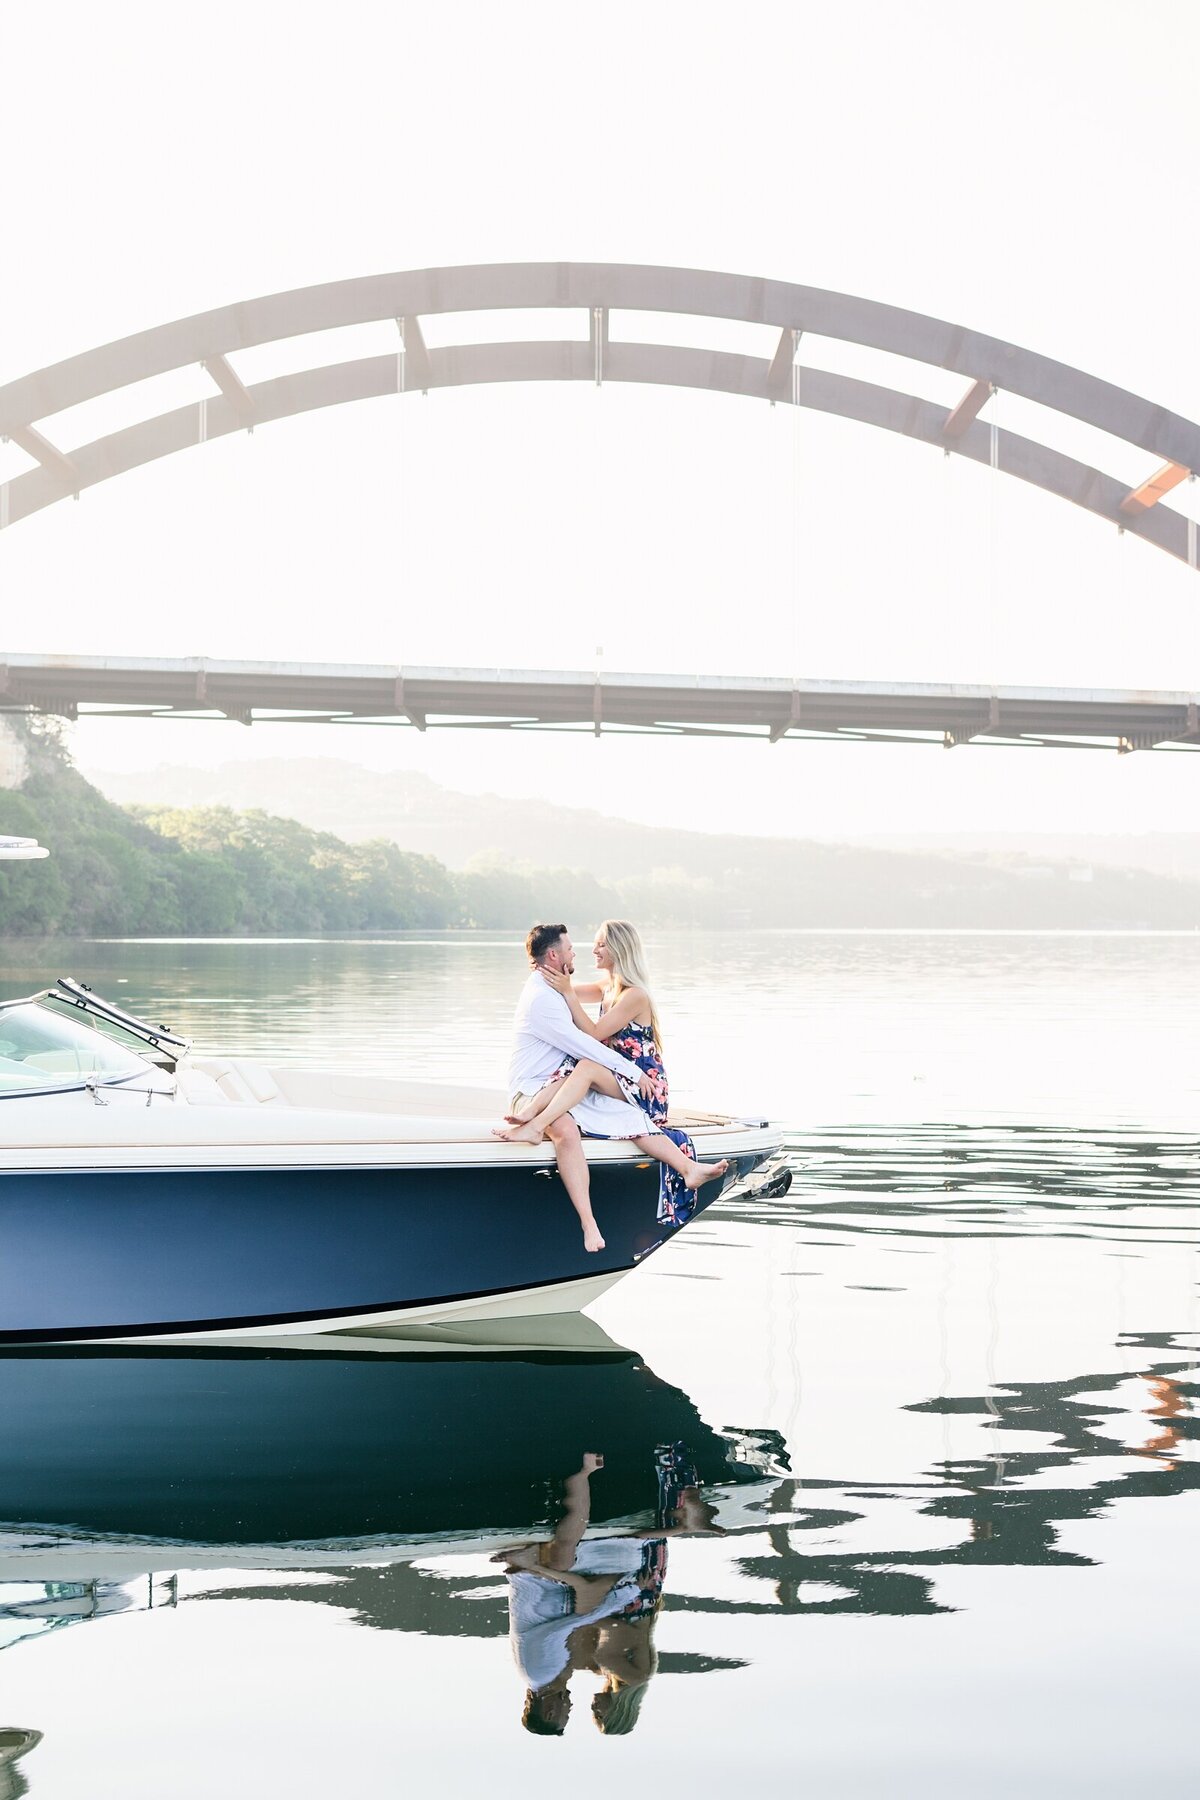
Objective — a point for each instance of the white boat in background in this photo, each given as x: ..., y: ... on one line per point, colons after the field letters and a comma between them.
x: 147, y: 1192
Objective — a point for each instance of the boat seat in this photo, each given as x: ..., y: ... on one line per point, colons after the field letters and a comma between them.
x: 242, y: 1083
x: 198, y: 1087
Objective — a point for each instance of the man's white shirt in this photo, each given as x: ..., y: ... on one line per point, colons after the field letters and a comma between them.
x: 545, y: 1033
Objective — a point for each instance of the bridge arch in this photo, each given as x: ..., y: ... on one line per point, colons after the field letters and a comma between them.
x: 986, y: 363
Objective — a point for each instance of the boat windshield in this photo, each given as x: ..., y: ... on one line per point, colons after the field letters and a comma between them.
x: 42, y: 1049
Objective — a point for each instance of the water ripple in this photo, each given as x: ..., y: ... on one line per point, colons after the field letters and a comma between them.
x: 1021, y: 1180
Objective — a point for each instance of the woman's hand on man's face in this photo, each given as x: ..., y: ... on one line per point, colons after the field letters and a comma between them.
x: 560, y: 983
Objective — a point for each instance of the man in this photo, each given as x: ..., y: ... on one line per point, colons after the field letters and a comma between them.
x: 545, y: 1033
x: 591, y: 1603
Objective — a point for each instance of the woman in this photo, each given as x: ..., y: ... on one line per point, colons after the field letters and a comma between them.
x: 559, y: 1594
x: 578, y: 1603
x: 629, y: 1022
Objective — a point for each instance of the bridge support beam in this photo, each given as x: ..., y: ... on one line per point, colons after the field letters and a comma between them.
x: 232, y: 386
x: 49, y: 455
x: 1140, y: 499
x: 967, y: 410
x: 404, y: 708
x: 963, y: 734
x: 779, y: 370
x: 598, y: 341
x: 785, y: 725
x: 415, y: 354
x: 1150, y: 740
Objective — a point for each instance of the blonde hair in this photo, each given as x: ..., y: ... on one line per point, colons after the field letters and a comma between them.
x: 629, y: 966
x: 617, y: 1706
x: 621, y: 1715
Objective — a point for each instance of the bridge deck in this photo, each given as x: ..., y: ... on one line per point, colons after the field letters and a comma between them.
x: 518, y: 699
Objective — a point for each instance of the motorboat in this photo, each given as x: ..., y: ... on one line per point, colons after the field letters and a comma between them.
x: 147, y: 1191
x: 21, y: 849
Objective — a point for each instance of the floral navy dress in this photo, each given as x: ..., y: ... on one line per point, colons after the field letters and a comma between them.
x: 676, y: 1201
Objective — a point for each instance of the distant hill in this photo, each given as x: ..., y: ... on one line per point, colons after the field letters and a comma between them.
x: 689, y: 877
x: 1175, y: 853
x: 360, y: 804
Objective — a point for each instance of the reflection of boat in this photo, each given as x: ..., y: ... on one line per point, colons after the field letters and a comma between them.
x: 33, y: 1609
x: 15, y: 1742
x: 830, y: 1544
x: 148, y: 1192
x: 118, y: 1457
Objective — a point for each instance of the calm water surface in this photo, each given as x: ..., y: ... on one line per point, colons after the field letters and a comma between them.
x: 939, y: 1404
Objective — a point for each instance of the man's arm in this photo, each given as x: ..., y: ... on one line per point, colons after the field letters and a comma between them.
x: 549, y: 1018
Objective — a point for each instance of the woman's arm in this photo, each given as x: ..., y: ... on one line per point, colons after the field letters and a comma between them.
x: 619, y: 1014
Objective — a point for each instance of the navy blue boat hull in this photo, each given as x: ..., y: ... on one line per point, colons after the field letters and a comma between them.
x: 213, y: 1445
x: 127, y: 1252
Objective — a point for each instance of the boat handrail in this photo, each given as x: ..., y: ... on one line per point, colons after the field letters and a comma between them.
x: 80, y: 995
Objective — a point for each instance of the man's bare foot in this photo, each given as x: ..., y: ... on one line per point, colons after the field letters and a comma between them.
x: 520, y: 1134
x: 591, y: 1237
x: 700, y: 1172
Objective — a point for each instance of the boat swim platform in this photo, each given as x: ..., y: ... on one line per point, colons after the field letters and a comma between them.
x: 725, y: 706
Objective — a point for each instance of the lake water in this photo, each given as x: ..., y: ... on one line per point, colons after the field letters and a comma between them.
x: 940, y: 1402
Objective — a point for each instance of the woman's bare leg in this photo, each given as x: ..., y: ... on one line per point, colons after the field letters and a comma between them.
x: 564, y: 1094
x: 694, y: 1173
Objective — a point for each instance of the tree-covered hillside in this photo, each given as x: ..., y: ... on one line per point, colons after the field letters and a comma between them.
x: 211, y: 871
x: 214, y: 870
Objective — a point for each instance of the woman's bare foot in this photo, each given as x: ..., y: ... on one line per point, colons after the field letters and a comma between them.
x: 591, y: 1237
x: 700, y: 1172
x: 520, y: 1134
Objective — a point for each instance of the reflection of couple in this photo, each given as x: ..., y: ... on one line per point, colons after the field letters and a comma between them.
x: 591, y: 1603
x: 571, y: 1074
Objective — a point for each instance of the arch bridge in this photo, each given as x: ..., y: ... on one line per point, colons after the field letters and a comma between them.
x: 595, y: 292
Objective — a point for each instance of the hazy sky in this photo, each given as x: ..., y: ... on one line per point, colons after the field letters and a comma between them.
x: 1027, y: 170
